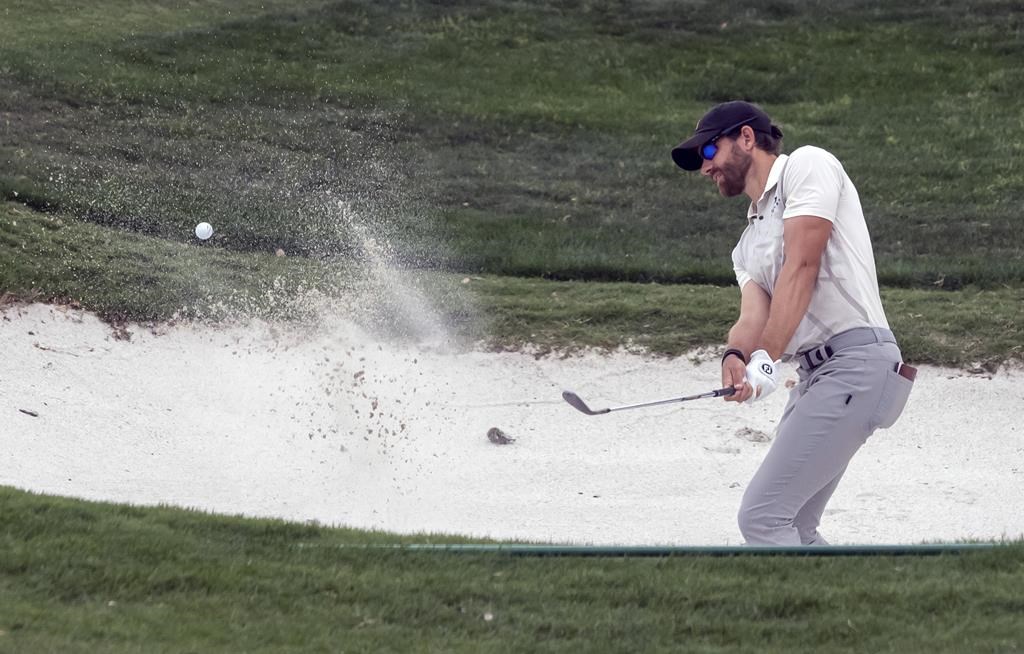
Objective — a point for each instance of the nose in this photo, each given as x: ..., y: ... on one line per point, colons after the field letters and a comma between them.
x: 705, y: 167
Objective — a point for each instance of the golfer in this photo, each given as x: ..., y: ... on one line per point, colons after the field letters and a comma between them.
x: 808, y: 294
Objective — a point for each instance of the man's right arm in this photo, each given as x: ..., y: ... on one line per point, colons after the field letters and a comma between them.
x: 744, y: 336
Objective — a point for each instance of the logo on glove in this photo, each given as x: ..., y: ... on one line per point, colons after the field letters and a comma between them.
x: 761, y: 375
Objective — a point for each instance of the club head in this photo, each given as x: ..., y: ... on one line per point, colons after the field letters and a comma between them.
x: 575, y: 402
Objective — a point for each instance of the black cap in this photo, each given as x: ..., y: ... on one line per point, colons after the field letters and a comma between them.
x: 722, y: 118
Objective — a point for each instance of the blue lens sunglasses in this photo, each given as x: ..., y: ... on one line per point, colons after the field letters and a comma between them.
x: 710, y: 149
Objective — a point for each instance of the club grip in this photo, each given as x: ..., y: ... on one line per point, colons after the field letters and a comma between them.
x: 725, y: 392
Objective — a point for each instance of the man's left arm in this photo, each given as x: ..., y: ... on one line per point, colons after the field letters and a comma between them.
x: 804, y: 242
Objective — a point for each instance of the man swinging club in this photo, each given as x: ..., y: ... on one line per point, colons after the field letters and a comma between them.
x: 809, y: 293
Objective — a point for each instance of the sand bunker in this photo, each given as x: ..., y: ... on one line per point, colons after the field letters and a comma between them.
x: 338, y: 428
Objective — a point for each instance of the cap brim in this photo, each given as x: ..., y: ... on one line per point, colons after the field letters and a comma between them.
x: 687, y: 154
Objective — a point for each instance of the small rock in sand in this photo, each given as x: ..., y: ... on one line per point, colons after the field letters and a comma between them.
x: 753, y: 435
x: 499, y: 437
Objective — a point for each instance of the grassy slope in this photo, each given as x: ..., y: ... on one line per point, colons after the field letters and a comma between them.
x: 500, y: 139
x: 84, y: 577
x: 958, y: 328
x: 519, y: 139
x: 130, y: 275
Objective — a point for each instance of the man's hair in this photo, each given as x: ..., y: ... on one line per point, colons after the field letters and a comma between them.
x: 762, y: 140
x: 768, y: 143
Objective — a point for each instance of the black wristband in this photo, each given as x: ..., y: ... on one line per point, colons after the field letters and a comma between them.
x: 732, y: 351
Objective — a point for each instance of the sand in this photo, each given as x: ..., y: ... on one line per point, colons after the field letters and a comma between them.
x: 336, y: 427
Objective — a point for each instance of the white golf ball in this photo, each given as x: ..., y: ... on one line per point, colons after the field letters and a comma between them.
x: 204, y: 231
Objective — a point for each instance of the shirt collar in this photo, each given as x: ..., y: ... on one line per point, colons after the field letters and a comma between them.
x: 769, y: 187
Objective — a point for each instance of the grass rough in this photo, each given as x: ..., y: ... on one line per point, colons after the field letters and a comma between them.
x: 81, y: 577
x: 515, y: 138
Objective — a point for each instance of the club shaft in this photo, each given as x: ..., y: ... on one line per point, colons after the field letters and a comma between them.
x: 721, y: 392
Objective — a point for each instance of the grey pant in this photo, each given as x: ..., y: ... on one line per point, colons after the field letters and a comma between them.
x: 831, y: 413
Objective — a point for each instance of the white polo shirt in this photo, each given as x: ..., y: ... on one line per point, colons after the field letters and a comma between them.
x: 813, y: 183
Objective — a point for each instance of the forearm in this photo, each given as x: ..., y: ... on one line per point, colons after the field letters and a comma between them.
x: 792, y: 295
x: 746, y: 333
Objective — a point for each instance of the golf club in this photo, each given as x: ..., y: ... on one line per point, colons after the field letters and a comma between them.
x: 578, y: 404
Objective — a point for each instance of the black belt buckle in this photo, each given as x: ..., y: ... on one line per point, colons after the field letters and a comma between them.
x: 818, y: 356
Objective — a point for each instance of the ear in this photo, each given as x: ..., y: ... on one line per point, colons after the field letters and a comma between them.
x: 747, y: 139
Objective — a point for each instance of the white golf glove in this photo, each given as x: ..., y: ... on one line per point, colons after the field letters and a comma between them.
x: 762, y: 375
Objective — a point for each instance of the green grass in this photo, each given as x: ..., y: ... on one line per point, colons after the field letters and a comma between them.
x: 517, y: 138
x: 85, y: 577
x: 966, y: 328
x: 123, y: 275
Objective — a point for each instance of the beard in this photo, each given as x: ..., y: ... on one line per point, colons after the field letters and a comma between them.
x: 734, y: 173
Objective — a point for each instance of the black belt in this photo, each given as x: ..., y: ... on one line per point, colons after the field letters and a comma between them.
x: 811, y: 359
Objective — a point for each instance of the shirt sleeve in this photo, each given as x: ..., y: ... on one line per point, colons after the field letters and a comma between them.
x: 742, y: 276
x: 812, y: 183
